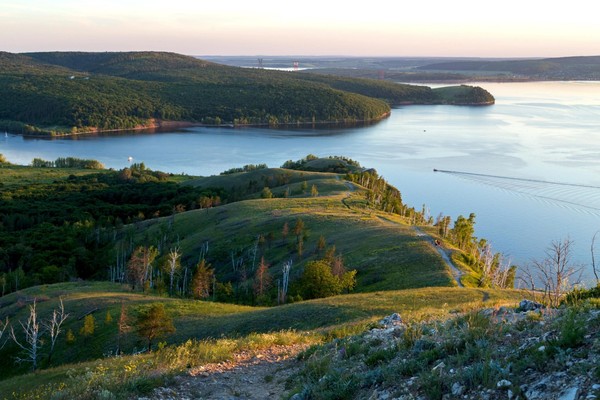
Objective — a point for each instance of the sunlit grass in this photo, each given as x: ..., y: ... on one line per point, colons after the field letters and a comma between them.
x: 211, y: 332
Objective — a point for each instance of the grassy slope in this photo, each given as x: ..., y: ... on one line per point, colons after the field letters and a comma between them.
x: 331, y: 317
x: 261, y: 176
x: 387, y: 255
x: 18, y: 175
x: 384, y: 250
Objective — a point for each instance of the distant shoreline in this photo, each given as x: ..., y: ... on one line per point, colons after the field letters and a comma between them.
x: 163, y: 125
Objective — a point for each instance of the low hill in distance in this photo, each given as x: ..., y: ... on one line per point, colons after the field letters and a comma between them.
x: 74, y: 92
x: 432, y: 69
x: 563, y: 68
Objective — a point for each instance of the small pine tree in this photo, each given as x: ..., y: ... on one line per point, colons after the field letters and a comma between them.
x: 266, y: 193
x: 300, y: 247
x: 298, y: 228
x: 153, y: 323
x: 202, y: 280
x: 108, y: 319
x: 70, y: 337
x: 285, y: 231
x: 314, y: 192
x: 321, y: 243
x: 89, y: 326
x: 262, y: 279
x: 123, y: 327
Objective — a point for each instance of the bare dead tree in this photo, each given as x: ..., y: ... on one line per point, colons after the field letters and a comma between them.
x: 554, y: 274
x: 31, y: 345
x: 173, y: 265
x: 3, y: 327
x: 286, y: 279
x: 53, y: 326
x: 593, y: 259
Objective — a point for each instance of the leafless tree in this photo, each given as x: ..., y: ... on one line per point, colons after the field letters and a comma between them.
x: 286, y: 279
x: 173, y: 265
x: 3, y: 326
x: 31, y: 345
x: 555, y: 273
x: 140, y: 264
x: 53, y: 326
x: 594, y: 260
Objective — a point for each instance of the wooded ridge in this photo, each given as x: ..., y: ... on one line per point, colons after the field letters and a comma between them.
x: 73, y: 92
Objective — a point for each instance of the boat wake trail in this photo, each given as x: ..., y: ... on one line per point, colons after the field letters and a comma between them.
x: 574, y: 196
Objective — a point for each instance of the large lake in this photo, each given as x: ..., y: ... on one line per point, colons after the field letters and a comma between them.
x: 536, y: 135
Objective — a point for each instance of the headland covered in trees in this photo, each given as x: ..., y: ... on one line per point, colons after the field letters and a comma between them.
x: 60, y: 93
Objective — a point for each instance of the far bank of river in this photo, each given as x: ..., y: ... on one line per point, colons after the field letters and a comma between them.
x: 539, y: 131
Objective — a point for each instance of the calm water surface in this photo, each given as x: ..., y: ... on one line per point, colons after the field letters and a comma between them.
x: 547, y: 131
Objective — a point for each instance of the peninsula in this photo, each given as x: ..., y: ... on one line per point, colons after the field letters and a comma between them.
x: 60, y: 93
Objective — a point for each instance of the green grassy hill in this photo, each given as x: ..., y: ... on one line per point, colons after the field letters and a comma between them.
x: 386, y: 255
x: 311, y: 321
x: 398, y: 269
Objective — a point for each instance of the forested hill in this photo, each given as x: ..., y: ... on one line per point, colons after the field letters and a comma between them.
x: 71, y: 92
x: 562, y: 68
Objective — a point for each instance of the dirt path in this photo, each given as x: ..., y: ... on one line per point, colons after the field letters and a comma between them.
x: 250, y: 375
x: 456, y: 273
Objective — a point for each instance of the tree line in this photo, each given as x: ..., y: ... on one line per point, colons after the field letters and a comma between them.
x: 56, y: 231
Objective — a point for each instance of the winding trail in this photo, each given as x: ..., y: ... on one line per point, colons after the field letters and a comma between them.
x: 456, y: 273
x: 255, y: 375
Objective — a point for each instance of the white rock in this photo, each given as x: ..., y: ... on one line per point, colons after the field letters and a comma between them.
x: 504, y: 384
x: 457, y: 389
x: 541, y: 348
x: 441, y: 365
x: 570, y: 394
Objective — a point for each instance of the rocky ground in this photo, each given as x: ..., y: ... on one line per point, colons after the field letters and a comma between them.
x: 529, y: 353
x: 250, y: 375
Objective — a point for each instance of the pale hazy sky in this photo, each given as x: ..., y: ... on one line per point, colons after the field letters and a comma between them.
x: 507, y: 28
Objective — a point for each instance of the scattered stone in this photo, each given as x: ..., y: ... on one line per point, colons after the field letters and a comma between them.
x: 504, y: 384
x: 457, y: 389
x: 441, y: 365
x: 391, y: 320
x: 570, y: 394
x: 528, y: 305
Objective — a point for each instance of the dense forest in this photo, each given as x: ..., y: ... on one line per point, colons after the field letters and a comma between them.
x: 56, y: 230
x: 563, y: 68
x: 58, y: 93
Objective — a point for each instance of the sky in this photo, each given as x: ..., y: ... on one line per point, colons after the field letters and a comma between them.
x: 461, y: 28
